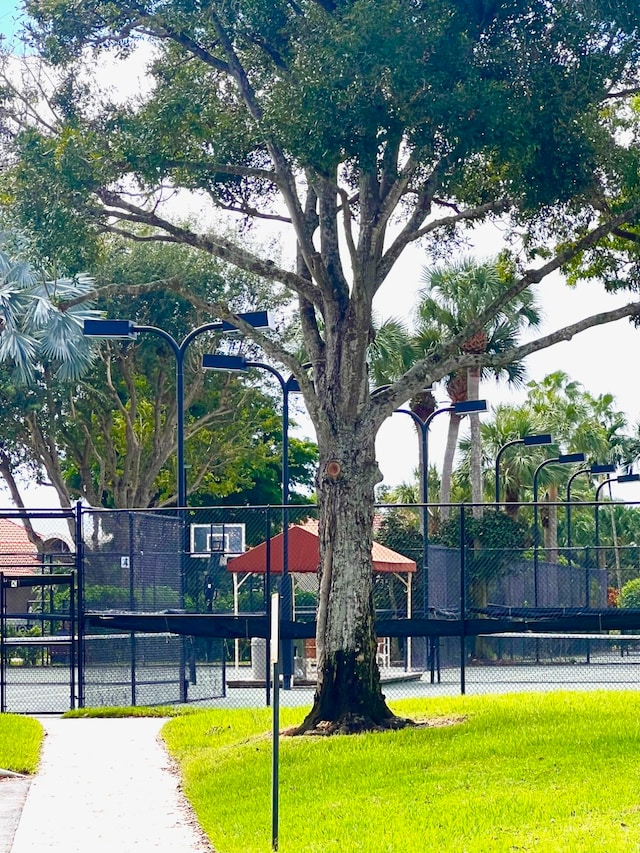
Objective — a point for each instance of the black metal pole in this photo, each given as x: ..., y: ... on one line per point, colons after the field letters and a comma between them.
x: 497, y: 466
x: 597, y: 518
x: 132, y: 607
x: 535, y: 535
x: 267, y: 605
x: 3, y: 633
x: 569, y: 482
x: 286, y: 590
x: 463, y: 603
x: 287, y: 581
x: 72, y: 642
x: 80, y: 601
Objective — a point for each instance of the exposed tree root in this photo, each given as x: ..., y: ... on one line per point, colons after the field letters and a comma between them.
x: 352, y: 724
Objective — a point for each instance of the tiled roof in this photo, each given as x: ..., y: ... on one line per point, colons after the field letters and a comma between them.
x: 18, y: 555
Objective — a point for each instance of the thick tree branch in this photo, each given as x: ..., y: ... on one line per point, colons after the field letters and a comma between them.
x: 445, y: 362
x: 6, y: 471
x: 218, y: 246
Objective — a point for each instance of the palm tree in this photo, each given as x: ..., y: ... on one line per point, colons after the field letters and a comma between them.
x: 508, y: 423
x: 391, y: 354
x: 453, y: 297
x: 38, y: 340
x: 34, y: 330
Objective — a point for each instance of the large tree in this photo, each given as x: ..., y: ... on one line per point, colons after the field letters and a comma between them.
x: 361, y: 127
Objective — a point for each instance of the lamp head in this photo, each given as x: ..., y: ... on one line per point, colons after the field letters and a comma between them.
x: 568, y: 458
x: 257, y: 319
x: 110, y: 329
x: 537, y: 440
x: 469, y: 407
x: 606, y: 468
x: 629, y: 478
x: 231, y: 363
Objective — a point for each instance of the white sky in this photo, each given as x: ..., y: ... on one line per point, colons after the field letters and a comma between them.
x: 601, y: 359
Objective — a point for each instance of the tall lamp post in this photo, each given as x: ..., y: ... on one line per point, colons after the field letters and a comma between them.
x: 623, y: 478
x: 288, y: 386
x: 466, y: 407
x: 606, y: 468
x: 128, y: 330
x: 527, y: 441
x: 561, y: 459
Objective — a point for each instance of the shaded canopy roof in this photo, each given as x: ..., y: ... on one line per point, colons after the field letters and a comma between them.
x: 304, y: 554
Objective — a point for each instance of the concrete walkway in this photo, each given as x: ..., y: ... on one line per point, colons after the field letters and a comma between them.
x: 103, y: 785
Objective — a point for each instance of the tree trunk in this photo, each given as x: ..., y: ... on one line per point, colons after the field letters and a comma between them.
x: 348, y: 692
x: 551, y: 527
x: 512, y: 500
x: 475, y: 461
x: 447, y: 464
x: 7, y: 475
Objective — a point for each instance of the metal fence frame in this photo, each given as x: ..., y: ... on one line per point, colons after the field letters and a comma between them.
x: 570, y: 627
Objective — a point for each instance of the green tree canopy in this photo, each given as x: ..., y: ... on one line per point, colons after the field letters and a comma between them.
x: 109, y: 436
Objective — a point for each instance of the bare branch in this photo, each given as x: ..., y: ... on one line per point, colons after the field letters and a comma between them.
x: 632, y: 309
x: 251, y: 212
x: 622, y: 93
x: 411, y: 232
x: 218, y: 246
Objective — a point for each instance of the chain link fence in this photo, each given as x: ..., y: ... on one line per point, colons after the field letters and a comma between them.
x: 216, y: 561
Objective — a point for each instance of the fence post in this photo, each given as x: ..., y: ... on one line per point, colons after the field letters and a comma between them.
x: 463, y: 601
x: 3, y: 632
x: 72, y: 647
x: 80, y: 601
x: 133, y: 608
x: 267, y: 604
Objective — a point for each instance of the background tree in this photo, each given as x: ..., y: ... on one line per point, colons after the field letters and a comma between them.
x: 110, y: 435
x: 453, y: 297
x: 362, y: 127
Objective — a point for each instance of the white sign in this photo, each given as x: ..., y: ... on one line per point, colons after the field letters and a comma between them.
x: 275, y: 627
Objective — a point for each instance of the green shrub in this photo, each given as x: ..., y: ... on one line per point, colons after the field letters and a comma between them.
x: 630, y: 594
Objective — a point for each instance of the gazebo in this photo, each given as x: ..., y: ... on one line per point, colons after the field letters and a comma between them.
x: 303, y: 563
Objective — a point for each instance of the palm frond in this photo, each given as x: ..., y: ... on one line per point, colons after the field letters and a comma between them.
x: 20, y: 349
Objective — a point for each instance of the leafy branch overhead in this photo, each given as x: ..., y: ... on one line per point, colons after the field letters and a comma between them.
x: 341, y: 117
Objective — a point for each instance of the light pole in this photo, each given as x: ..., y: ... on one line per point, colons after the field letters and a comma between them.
x: 128, y: 330
x: 606, y: 468
x: 623, y: 478
x: 466, y: 407
x: 287, y: 386
x: 527, y: 441
x: 561, y: 459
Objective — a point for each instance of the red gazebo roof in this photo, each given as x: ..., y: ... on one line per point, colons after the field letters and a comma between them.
x: 304, y: 554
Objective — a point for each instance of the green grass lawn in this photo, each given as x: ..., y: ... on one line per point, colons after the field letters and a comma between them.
x: 540, y: 772
x: 20, y: 742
